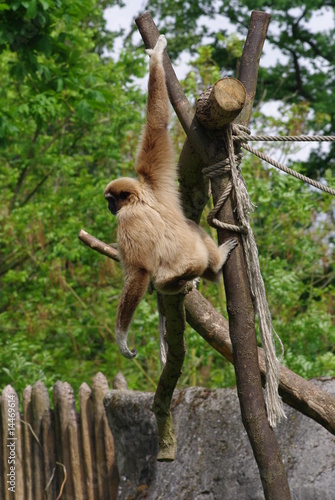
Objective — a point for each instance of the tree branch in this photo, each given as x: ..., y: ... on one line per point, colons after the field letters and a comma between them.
x: 172, y: 307
x: 98, y: 245
x: 297, y: 392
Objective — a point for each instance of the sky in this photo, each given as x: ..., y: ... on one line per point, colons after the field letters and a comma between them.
x: 123, y: 17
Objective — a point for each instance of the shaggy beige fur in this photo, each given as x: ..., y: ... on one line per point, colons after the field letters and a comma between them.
x: 156, y: 241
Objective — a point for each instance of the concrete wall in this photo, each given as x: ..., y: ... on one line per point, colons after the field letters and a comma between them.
x: 214, y: 460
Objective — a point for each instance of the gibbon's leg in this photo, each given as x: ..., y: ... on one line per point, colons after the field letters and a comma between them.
x: 135, y: 285
x: 174, y: 285
x: 155, y: 160
x: 217, y: 256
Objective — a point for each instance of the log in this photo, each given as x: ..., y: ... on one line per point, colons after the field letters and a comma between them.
x: 19, y: 490
x: 106, y: 470
x: 49, y: 453
x: 76, y: 451
x: 11, y: 445
x: 240, y: 305
x: 40, y: 405
x: 63, y: 400
x: 173, y: 309
x: 221, y: 103
x: 194, y: 188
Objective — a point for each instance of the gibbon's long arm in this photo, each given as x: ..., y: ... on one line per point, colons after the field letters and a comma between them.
x: 135, y: 285
x: 156, y: 153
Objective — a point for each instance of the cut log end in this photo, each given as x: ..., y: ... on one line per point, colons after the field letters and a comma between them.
x: 220, y: 104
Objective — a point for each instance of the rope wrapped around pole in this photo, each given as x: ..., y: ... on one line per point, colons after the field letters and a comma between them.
x: 273, y: 401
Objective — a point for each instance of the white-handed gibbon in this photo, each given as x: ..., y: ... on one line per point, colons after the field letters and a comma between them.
x: 155, y: 240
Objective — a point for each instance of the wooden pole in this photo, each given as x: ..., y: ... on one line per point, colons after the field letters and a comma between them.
x: 239, y: 302
x: 27, y: 443
x: 221, y: 103
x: 106, y: 470
x: 174, y: 312
x: 63, y: 403
x: 87, y: 437
x: 40, y: 405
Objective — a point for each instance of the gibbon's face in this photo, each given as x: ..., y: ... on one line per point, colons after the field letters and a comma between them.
x: 120, y: 193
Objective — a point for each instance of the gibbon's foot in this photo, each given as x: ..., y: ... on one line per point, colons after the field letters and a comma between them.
x: 231, y: 244
x: 227, y: 247
x: 159, y: 47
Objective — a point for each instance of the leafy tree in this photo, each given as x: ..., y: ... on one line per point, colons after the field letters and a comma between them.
x: 69, y: 121
x: 302, y: 72
x: 68, y: 116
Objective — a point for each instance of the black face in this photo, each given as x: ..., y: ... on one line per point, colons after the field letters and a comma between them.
x: 112, y: 204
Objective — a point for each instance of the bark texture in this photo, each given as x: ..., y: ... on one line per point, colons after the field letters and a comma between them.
x: 172, y: 307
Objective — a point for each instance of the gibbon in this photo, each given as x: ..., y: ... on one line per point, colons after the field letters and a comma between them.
x: 155, y: 240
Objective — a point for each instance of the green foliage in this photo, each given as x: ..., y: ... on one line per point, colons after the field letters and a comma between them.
x: 302, y: 50
x: 70, y: 118
x: 64, y: 132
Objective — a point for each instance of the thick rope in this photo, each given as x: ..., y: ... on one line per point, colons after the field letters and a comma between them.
x: 288, y: 170
x: 273, y: 401
x: 242, y: 135
x: 218, y: 169
x: 231, y: 164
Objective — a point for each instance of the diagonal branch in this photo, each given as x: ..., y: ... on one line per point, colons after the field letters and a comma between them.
x: 297, y: 392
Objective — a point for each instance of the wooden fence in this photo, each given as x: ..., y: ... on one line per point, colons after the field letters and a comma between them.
x: 51, y: 454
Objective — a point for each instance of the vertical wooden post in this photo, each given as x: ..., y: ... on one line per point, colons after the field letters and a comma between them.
x: 63, y: 400
x: 40, y: 406
x: 107, y: 475
x: 11, y: 442
x: 49, y: 452
x: 240, y: 306
x: 87, y: 436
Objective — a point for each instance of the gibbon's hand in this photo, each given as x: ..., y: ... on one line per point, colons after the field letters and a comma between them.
x: 159, y: 47
x: 135, y: 285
